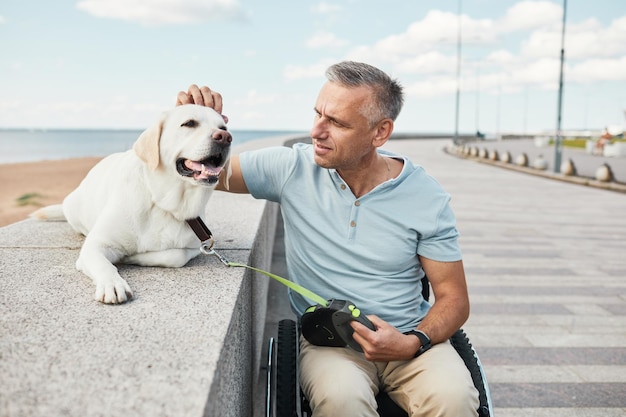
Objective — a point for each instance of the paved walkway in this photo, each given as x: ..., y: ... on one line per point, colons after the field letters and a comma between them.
x: 546, y: 267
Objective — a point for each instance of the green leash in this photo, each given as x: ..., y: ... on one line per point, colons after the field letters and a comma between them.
x: 206, y: 247
x: 292, y: 285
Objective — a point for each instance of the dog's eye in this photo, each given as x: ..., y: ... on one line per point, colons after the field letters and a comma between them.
x: 224, y: 128
x: 190, y: 123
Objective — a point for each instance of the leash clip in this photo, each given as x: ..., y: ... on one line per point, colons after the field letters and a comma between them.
x: 206, y: 238
x: 206, y: 248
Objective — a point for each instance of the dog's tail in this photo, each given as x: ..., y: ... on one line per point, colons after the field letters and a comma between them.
x: 49, y: 213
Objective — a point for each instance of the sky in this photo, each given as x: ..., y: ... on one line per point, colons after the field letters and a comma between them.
x: 119, y: 63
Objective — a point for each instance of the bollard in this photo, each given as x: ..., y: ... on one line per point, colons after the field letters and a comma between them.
x: 540, y: 163
x: 568, y: 168
x: 522, y: 160
x: 605, y: 173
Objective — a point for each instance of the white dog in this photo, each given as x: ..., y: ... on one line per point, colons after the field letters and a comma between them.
x: 133, y: 206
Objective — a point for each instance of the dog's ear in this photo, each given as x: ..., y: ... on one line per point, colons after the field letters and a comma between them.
x: 147, y: 146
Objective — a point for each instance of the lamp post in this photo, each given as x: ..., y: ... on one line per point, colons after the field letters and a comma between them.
x: 558, y: 142
x: 458, y: 78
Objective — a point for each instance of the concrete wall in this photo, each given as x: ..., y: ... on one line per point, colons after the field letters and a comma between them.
x: 188, y: 344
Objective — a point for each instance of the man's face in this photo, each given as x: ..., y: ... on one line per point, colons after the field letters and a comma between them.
x: 342, y: 136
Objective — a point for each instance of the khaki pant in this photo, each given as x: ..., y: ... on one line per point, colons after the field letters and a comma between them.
x: 341, y: 382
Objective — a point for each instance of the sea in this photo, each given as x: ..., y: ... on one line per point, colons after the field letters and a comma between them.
x: 24, y: 145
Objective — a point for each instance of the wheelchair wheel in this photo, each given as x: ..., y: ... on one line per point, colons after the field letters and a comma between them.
x: 462, y: 345
x: 287, y: 386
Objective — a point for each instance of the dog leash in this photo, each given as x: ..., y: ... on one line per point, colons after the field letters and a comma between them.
x: 206, y: 247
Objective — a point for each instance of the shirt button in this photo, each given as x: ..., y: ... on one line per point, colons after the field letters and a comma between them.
x: 352, y: 223
x: 343, y: 186
x: 357, y: 203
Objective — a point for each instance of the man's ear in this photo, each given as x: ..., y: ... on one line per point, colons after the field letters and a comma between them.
x: 383, y: 132
x: 147, y: 146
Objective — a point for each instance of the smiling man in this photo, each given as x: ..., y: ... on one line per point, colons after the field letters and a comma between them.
x: 366, y: 225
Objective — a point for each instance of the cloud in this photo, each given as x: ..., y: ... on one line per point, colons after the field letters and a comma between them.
x: 437, y: 31
x: 253, y: 99
x: 2, y: 19
x: 434, y: 86
x: 511, y: 52
x: 527, y: 15
x: 431, y: 62
x: 591, y: 39
x: 296, y: 72
x: 79, y: 113
x: 325, y: 40
x: 325, y: 8
x: 584, y: 40
x: 598, y: 70
x: 164, y: 12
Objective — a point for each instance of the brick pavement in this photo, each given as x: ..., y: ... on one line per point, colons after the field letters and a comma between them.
x: 546, y: 268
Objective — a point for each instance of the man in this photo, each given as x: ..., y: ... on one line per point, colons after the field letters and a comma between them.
x: 364, y: 224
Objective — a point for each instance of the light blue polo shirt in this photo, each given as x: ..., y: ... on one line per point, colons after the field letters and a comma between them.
x: 359, y: 249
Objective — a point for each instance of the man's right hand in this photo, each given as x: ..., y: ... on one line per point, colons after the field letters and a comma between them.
x: 202, y: 96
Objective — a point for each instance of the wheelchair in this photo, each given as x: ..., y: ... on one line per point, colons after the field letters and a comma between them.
x: 284, y: 397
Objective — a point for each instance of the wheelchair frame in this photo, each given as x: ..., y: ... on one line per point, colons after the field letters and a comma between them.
x: 284, y: 397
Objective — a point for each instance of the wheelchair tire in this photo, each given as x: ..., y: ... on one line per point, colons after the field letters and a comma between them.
x: 286, y: 377
x: 462, y: 345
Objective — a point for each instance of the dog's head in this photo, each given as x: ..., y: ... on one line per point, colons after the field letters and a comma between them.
x: 190, y: 139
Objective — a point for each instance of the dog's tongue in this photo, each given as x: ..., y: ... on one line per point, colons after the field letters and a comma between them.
x: 202, y: 171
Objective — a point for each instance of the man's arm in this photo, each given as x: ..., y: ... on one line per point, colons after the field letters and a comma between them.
x: 447, y: 314
x: 451, y: 307
x: 231, y: 178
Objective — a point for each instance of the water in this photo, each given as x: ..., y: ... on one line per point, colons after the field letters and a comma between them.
x: 39, y: 145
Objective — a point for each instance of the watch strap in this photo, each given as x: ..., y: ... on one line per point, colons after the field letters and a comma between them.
x: 424, y: 339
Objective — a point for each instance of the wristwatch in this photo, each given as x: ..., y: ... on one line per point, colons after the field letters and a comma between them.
x: 423, y: 337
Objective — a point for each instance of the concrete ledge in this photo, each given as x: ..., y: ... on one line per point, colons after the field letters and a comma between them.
x: 187, y: 345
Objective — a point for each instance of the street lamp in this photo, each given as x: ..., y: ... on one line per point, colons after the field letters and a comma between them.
x: 558, y: 145
x: 458, y: 78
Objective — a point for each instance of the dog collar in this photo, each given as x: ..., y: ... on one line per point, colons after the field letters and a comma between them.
x: 202, y: 232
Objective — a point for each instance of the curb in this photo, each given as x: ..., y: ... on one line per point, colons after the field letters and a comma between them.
x: 459, y: 152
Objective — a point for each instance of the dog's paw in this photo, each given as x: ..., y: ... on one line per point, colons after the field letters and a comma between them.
x: 116, y: 292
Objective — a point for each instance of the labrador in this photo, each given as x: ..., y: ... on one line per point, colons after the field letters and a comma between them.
x: 133, y: 206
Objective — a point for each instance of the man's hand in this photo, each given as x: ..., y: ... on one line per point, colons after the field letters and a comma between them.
x: 202, y: 96
x: 386, y: 343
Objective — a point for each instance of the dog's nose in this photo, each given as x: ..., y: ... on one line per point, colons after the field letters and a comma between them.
x: 222, y: 136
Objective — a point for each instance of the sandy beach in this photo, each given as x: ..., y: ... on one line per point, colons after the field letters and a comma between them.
x: 28, y: 186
